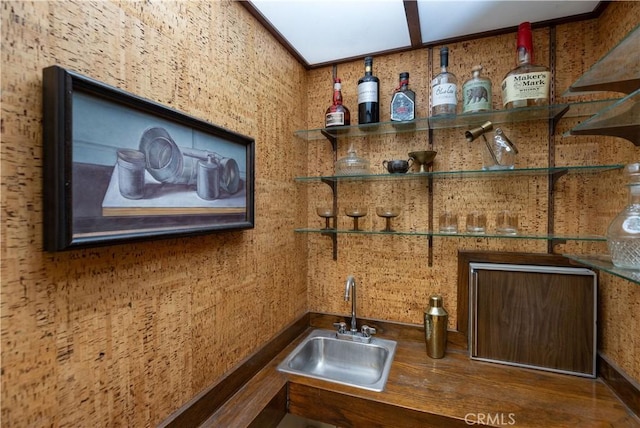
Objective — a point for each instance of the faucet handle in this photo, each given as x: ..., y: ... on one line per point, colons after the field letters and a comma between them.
x: 368, y: 331
x: 341, y: 326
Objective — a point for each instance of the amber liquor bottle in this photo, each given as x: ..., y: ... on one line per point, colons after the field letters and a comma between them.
x: 337, y: 114
x: 444, y: 88
x: 528, y: 83
x: 368, y: 95
x: 403, y: 101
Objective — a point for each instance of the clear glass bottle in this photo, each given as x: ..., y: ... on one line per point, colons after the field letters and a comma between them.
x: 623, y: 234
x: 528, y: 83
x: 368, y: 95
x: 337, y: 114
x: 499, y: 153
x: 476, y: 92
x: 444, y: 88
x: 403, y: 102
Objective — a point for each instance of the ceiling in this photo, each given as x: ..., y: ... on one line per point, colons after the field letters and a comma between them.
x: 323, y: 32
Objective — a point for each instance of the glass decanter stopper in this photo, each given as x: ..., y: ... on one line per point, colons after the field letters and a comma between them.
x: 623, y: 234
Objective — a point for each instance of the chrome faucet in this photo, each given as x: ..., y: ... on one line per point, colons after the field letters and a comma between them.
x: 357, y: 336
x: 351, y: 284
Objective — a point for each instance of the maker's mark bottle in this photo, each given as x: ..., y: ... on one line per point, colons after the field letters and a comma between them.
x: 527, y: 84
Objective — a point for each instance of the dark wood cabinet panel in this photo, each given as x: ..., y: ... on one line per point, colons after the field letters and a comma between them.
x: 534, y: 316
x: 347, y: 410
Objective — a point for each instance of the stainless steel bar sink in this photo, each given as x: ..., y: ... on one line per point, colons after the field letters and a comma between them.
x: 321, y: 355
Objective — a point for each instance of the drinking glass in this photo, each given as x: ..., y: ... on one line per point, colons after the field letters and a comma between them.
x: 506, y: 223
x: 476, y: 222
x: 388, y: 214
x: 448, y: 222
x: 327, y: 214
x: 355, y: 213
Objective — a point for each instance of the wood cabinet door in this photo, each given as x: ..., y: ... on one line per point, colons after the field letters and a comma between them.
x: 534, y: 316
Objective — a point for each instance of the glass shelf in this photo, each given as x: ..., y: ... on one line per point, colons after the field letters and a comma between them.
x: 602, y: 262
x: 621, y: 119
x: 617, y: 71
x: 381, y: 128
x: 438, y: 122
x: 591, y: 238
x: 523, y: 114
x: 467, y: 174
x: 587, y: 108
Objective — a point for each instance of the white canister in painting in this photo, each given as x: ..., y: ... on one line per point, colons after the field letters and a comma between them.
x: 131, y: 167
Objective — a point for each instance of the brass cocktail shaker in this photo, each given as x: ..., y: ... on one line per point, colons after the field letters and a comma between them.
x: 435, y: 327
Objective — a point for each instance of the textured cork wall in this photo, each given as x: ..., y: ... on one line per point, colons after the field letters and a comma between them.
x: 392, y: 272
x: 124, y: 335
x: 619, y: 299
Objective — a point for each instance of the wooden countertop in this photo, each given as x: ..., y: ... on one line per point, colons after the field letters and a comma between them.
x: 453, y: 391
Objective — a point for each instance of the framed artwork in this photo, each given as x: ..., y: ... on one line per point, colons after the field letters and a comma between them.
x: 119, y: 168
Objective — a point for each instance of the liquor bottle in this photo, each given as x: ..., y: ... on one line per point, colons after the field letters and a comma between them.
x: 476, y: 92
x: 527, y: 84
x: 444, y: 98
x: 368, y: 95
x: 337, y: 114
x: 403, y: 102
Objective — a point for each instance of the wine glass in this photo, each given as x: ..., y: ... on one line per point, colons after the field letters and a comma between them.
x: 355, y: 213
x: 326, y: 213
x: 388, y: 213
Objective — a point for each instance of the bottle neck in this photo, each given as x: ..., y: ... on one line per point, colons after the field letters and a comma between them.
x: 524, y: 47
x: 444, y: 60
x: 337, y: 95
x: 524, y: 56
x: 367, y: 70
x: 634, y: 194
x: 403, y: 85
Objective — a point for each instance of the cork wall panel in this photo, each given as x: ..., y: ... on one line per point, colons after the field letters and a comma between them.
x: 588, y: 204
x: 125, y: 335
x: 394, y: 277
x: 620, y: 303
x: 619, y: 319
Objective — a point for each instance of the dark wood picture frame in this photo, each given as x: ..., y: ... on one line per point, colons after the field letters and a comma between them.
x: 120, y: 168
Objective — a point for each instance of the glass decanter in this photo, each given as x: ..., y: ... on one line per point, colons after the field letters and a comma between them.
x: 352, y: 164
x: 623, y: 234
x: 499, y: 153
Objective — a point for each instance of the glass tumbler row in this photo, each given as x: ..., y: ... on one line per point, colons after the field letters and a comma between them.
x: 476, y: 222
